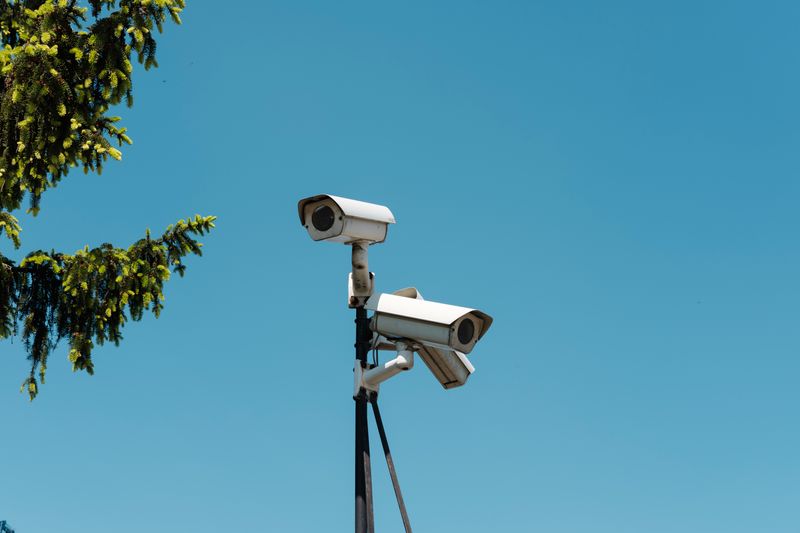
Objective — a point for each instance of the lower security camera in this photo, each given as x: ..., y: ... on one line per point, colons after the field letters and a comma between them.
x: 449, y: 367
x: 440, y: 326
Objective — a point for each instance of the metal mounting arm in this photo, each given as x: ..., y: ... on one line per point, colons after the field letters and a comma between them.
x: 371, y: 378
x: 361, y: 277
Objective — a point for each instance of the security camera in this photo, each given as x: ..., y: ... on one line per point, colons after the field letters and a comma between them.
x: 451, y: 368
x: 337, y: 219
x: 441, y: 326
x: 359, y: 224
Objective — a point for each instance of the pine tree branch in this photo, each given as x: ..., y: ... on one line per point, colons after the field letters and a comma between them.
x: 10, y: 226
x: 88, y: 297
x: 60, y: 74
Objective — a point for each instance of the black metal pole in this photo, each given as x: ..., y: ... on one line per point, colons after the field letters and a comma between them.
x: 364, y: 514
x: 390, y: 463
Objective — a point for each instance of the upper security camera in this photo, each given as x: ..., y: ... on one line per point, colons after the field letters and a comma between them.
x: 337, y: 219
x: 442, y: 326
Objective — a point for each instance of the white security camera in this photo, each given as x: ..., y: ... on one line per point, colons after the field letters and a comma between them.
x: 449, y: 367
x: 337, y: 219
x: 436, y: 325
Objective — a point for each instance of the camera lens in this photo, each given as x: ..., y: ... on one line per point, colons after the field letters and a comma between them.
x: 323, y: 218
x: 466, y: 330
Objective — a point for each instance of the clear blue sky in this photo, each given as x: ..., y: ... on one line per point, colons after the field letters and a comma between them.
x: 615, y: 182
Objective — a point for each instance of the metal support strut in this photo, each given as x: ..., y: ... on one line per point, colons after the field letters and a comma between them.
x: 390, y: 463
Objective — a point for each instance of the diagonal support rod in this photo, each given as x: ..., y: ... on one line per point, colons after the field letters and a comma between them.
x: 390, y: 463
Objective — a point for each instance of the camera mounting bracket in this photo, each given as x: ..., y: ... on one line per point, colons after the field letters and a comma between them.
x: 371, y: 377
x: 360, y: 281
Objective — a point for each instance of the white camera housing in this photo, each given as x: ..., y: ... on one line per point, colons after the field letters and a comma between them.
x: 337, y: 219
x: 433, y: 324
x: 450, y: 367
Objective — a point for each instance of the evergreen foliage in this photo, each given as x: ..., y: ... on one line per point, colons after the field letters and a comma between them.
x: 62, y: 68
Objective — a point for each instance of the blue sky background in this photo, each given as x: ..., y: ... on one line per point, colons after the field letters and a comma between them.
x: 616, y: 183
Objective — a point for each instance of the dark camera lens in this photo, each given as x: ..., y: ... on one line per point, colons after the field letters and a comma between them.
x: 466, y: 330
x: 322, y: 218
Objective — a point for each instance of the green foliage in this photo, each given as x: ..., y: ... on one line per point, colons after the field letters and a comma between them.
x: 87, y: 297
x: 59, y: 75
x: 10, y: 225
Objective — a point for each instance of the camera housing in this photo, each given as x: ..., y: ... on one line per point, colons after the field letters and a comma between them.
x: 436, y: 325
x: 450, y: 367
x: 337, y: 219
